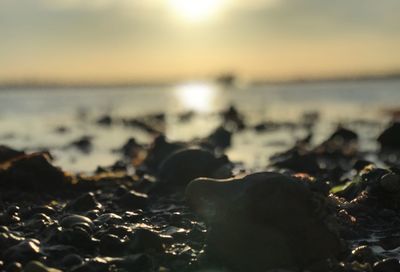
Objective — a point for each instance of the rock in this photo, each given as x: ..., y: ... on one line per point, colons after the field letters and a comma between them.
x: 387, y: 265
x: 111, y: 245
x: 84, y: 203
x: 84, y: 144
x: 7, y: 153
x: 14, y: 267
x: 233, y: 118
x: 109, y: 219
x: 23, y: 252
x: 71, y: 260
x: 132, y: 200
x: 8, y: 239
x: 72, y: 221
x: 264, y: 221
x: 34, y: 173
x: 159, y: 150
x: 390, y: 183
x: 363, y: 254
x: 343, y: 135
x: 105, y: 120
x: 185, y: 165
x: 144, y: 240
x: 35, y: 266
x: 131, y: 148
x: 390, y: 137
x: 220, y: 138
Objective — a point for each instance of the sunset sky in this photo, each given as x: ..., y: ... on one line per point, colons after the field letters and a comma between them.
x: 125, y: 40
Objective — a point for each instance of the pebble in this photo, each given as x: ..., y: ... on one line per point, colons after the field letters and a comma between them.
x: 84, y: 203
x: 24, y: 251
x: 132, y: 200
x: 75, y: 220
x: 35, y: 266
x: 387, y: 265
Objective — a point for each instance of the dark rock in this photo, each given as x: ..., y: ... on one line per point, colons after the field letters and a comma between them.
x: 131, y: 148
x: 343, y: 135
x: 109, y: 219
x: 7, y: 153
x: 8, y: 239
x: 233, y: 118
x: 132, y: 200
x: 159, y: 150
x: 185, y: 165
x: 72, y: 221
x: 84, y: 144
x: 264, y: 221
x: 363, y: 254
x: 104, y: 120
x: 144, y: 240
x: 111, y: 245
x: 35, y: 173
x: 84, y: 203
x: 390, y: 183
x: 387, y: 265
x: 390, y: 137
x: 35, y: 266
x: 71, y: 260
x: 14, y: 267
x: 23, y: 252
x: 220, y: 138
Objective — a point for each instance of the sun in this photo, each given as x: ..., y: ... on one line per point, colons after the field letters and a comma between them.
x: 196, y: 10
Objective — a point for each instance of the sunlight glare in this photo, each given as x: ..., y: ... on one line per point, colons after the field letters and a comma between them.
x: 196, y: 96
x: 196, y: 10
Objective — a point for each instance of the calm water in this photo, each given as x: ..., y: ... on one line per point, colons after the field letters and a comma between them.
x: 28, y: 118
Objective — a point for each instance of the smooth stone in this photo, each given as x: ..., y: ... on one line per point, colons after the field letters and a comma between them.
x: 35, y: 266
x: 390, y: 183
x: 109, y: 219
x: 75, y: 220
x: 72, y: 260
x: 387, y: 265
x: 14, y: 267
x: 24, y: 251
x: 132, y: 200
x: 264, y: 221
x: 84, y: 203
x: 185, y: 165
x: 363, y: 254
x: 111, y: 245
x: 144, y: 240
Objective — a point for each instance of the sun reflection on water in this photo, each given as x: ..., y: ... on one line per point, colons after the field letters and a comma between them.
x: 197, y: 96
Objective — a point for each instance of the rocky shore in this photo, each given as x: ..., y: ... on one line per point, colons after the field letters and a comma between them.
x: 185, y: 206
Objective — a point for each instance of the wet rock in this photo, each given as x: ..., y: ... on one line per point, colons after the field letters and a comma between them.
x: 232, y: 117
x: 297, y: 161
x: 14, y: 267
x: 7, y: 153
x: 132, y: 149
x: 35, y: 266
x: 390, y: 137
x: 220, y: 138
x: 363, y: 254
x: 34, y: 172
x: 8, y: 239
x: 185, y: 165
x: 264, y: 221
x: 144, y: 240
x: 109, y: 219
x: 72, y: 221
x: 84, y: 203
x: 111, y: 245
x: 71, y: 260
x: 390, y: 183
x: 104, y: 120
x: 159, y: 150
x: 23, y: 252
x: 84, y: 144
x: 387, y: 265
x: 343, y: 135
x: 77, y: 237
x: 132, y: 200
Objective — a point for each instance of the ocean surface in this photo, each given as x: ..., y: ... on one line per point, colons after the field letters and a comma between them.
x: 29, y: 118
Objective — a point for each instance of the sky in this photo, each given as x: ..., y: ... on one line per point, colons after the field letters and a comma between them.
x: 155, y: 40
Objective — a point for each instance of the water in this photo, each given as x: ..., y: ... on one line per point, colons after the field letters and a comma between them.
x: 29, y: 117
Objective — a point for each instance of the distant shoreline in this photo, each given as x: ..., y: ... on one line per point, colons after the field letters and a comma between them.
x: 256, y: 82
